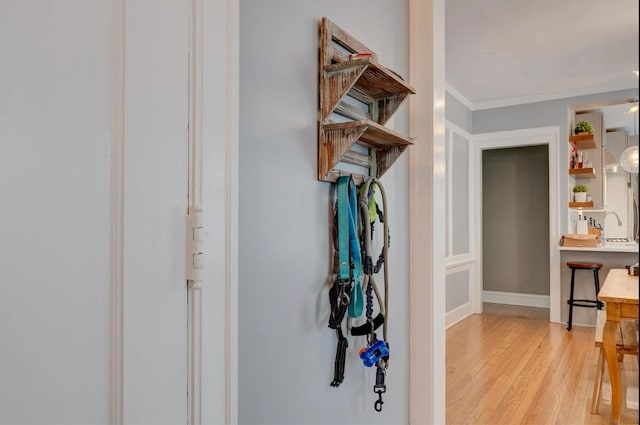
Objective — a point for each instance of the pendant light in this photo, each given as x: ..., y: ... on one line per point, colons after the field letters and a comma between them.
x: 630, y: 157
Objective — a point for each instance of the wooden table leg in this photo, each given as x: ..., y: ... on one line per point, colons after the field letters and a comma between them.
x: 609, y: 346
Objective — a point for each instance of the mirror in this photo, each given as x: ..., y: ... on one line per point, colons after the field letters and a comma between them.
x: 620, y: 187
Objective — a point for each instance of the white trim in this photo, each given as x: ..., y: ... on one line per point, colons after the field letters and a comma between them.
x: 458, y: 96
x: 501, y: 103
x: 117, y: 106
x: 457, y: 314
x: 454, y: 129
x: 232, y: 207
x: 458, y: 261
x: 194, y: 202
x: 457, y: 129
x: 526, y: 137
x: 506, y: 138
x: 427, y: 317
x: 529, y: 300
x: 214, y: 141
x: 543, y: 97
x: 449, y: 199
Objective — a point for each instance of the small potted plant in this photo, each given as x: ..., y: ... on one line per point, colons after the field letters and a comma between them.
x: 583, y: 128
x: 580, y: 193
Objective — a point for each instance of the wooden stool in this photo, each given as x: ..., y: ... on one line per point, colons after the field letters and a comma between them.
x: 583, y: 303
x: 626, y: 343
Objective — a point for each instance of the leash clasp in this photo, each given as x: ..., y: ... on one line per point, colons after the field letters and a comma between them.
x: 379, y: 388
x: 378, y: 404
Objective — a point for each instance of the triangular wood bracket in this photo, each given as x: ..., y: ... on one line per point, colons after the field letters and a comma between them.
x: 337, y: 82
x: 334, y: 144
x: 387, y: 106
x: 384, y: 159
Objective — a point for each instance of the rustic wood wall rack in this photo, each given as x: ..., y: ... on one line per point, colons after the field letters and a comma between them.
x: 350, y: 69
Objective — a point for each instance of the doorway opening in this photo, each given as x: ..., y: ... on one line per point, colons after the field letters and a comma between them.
x: 543, y: 139
x: 515, y: 225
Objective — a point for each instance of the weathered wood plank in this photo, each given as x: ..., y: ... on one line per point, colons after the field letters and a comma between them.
x: 347, y: 41
x: 368, y: 82
x: 356, y: 158
x: 351, y: 112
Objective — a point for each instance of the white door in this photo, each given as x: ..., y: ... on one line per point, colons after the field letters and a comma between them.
x: 94, y: 174
x: 55, y: 211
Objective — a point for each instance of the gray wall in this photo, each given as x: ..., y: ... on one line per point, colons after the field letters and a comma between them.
x: 458, y: 114
x: 286, y: 350
x: 457, y: 289
x: 542, y: 114
x: 461, y: 243
x: 515, y: 216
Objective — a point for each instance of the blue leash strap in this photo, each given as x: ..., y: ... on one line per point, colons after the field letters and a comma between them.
x: 349, y: 243
x: 343, y: 229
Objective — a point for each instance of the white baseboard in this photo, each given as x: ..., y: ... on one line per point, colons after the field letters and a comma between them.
x: 457, y: 314
x: 529, y: 300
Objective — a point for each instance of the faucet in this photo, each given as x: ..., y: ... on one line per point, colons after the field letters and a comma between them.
x: 604, y: 239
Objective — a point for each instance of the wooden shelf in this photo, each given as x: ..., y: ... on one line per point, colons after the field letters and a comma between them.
x: 367, y: 81
x: 583, y: 142
x: 337, y: 140
x: 377, y: 91
x: 583, y: 173
x: 581, y: 204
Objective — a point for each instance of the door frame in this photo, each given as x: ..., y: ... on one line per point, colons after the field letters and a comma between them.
x: 213, y: 146
x: 510, y: 139
x: 426, y: 213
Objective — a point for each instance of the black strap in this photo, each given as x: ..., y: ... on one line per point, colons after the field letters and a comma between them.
x: 365, y: 329
x: 338, y: 368
x: 337, y: 294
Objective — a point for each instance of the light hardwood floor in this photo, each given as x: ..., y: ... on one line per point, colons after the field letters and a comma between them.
x: 510, y: 365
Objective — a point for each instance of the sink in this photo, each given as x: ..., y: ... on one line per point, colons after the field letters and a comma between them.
x: 621, y: 244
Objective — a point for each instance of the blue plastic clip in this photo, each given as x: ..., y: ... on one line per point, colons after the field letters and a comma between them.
x: 370, y: 355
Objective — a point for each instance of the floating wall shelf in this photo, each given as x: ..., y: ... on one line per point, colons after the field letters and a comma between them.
x: 581, y: 204
x: 350, y: 71
x: 583, y: 173
x: 583, y: 142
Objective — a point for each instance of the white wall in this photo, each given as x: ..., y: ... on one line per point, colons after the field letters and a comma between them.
x: 286, y: 350
x: 93, y: 176
x: 155, y: 200
x: 55, y: 211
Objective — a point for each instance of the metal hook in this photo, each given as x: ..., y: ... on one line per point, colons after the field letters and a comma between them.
x: 378, y: 404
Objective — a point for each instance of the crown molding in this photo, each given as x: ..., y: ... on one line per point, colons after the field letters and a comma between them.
x: 455, y: 93
x: 543, y: 97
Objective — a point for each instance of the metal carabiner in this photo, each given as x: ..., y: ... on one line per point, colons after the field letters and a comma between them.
x: 344, y: 296
x: 378, y: 404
